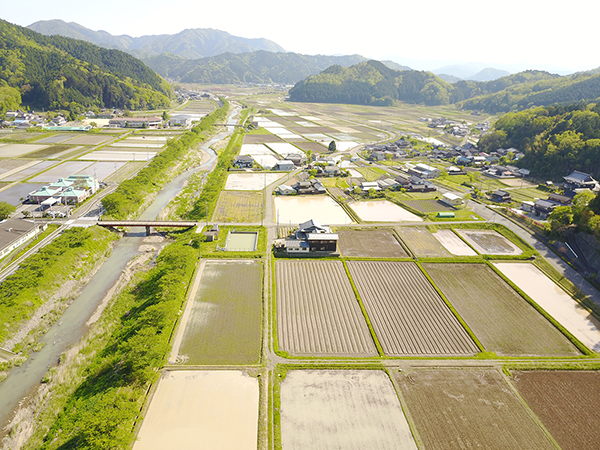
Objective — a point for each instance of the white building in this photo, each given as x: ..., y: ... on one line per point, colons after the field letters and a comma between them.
x: 16, y: 232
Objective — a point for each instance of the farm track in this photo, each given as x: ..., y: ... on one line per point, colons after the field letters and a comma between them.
x: 408, y: 315
x: 317, y: 312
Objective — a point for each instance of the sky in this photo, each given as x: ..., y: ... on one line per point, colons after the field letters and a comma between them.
x: 512, y: 34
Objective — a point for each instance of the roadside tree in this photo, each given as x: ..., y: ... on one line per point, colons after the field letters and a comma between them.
x: 6, y: 209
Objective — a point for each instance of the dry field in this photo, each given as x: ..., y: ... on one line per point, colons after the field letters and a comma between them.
x: 317, y: 312
x: 489, y: 242
x: 261, y: 138
x: 251, y: 181
x: 223, y: 325
x: 421, y: 242
x: 56, y: 139
x: 236, y: 206
x: 16, y: 150
x: 468, y: 409
x: 408, y: 315
x: 370, y: 244
x: 28, y: 171
x: 61, y: 171
x: 500, y: 318
x: 567, y: 404
x: 453, y: 243
x: 555, y: 302
x: 428, y: 205
x: 89, y: 140
x: 342, y: 409
x: 202, y: 409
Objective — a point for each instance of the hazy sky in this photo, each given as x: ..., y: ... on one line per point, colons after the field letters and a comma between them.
x: 541, y: 34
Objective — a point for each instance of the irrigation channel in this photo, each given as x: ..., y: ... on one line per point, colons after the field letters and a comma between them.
x: 22, y: 381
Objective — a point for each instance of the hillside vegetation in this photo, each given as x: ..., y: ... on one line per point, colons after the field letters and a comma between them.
x: 372, y: 83
x: 54, y: 72
x: 555, y: 139
x: 255, y: 67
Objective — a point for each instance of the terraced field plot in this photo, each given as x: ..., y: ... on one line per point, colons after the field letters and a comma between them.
x: 16, y: 150
x: 489, y: 242
x: 119, y: 154
x: 202, y: 409
x: 567, y: 404
x: 250, y: 181
x: 61, y: 171
x: 236, y: 206
x: 408, y: 315
x: 222, y: 324
x: 383, y: 211
x: 468, y: 408
x: 342, y: 409
x: 317, y: 312
x: 428, y: 205
x: 555, y: 302
x: 370, y: 244
x: 421, y: 242
x: 500, y: 318
x: 453, y: 243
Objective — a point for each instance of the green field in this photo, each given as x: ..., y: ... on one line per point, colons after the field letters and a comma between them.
x: 224, y: 325
x: 239, y: 206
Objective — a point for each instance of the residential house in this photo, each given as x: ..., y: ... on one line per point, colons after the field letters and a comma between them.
x: 425, y: 171
x: 135, y: 122
x: 284, y: 165
x: 579, y: 180
x: 500, y: 196
x: 243, y: 162
x: 310, y: 237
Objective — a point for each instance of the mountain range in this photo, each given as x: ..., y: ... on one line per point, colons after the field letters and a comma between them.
x: 190, y: 43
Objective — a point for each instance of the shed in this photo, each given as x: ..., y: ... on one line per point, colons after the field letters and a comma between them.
x: 446, y: 215
x: 451, y: 199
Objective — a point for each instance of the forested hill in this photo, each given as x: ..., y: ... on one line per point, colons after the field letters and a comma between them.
x: 555, y: 139
x: 191, y: 43
x: 372, y: 83
x: 55, y: 72
x: 255, y: 67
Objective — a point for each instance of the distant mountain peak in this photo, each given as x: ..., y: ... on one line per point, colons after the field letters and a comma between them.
x: 191, y: 43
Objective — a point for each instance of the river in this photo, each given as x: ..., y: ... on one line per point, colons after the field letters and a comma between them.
x: 68, y: 331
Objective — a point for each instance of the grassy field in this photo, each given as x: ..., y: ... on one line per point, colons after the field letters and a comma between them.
x: 238, y: 206
x: 224, y: 326
x: 371, y: 173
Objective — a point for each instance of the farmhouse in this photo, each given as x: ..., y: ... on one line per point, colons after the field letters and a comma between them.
x: 310, y: 237
x: 500, y: 196
x: 15, y: 232
x: 243, y: 162
x: 579, y: 180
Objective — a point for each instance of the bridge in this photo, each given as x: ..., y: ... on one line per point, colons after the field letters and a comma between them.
x: 148, y: 224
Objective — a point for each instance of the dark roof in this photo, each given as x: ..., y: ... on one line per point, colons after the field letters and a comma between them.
x: 579, y: 177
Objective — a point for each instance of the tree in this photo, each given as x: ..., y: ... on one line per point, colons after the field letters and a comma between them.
x: 6, y: 209
x: 560, y: 219
x: 581, y: 212
x: 357, y: 190
x: 165, y: 116
x: 332, y: 147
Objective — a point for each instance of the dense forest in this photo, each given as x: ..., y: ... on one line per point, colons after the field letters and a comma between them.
x: 54, y: 72
x: 255, y: 67
x: 371, y: 83
x: 555, y: 139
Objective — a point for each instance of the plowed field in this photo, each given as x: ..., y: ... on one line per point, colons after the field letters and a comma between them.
x: 567, y: 404
x: 500, y: 318
x: 408, y: 315
x: 317, y: 312
x: 370, y: 244
x: 468, y: 409
x: 342, y: 409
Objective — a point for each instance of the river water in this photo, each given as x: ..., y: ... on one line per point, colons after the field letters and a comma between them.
x: 71, y: 327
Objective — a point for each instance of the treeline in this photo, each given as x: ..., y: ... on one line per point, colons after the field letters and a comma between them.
x: 54, y: 72
x: 555, y: 139
x: 215, y: 182
x: 42, y: 274
x: 100, y: 412
x: 372, y: 83
x: 132, y: 194
x: 583, y: 215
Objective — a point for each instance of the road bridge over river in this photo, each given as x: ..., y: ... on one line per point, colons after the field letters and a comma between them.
x: 148, y: 224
